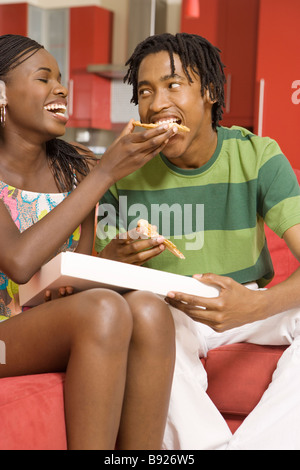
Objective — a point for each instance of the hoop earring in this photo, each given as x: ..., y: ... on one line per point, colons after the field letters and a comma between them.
x: 2, y: 115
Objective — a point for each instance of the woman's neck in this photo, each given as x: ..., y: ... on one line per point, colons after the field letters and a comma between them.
x: 25, y: 166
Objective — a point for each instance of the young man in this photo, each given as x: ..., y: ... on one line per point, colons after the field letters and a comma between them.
x: 211, y: 191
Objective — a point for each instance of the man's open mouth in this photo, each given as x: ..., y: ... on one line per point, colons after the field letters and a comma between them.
x: 167, y: 121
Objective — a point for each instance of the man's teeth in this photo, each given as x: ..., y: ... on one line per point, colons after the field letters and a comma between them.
x: 168, y: 121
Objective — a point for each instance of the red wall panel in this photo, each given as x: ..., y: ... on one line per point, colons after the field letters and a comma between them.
x: 13, y: 19
x: 279, y: 66
x: 207, y: 25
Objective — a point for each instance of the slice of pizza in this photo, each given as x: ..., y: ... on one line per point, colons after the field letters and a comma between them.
x: 148, y: 230
x: 180, y: 127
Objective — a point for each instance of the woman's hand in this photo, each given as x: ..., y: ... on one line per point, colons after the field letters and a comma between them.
x: 236, y: 305
x: 61, y: 292
x: 132, y: 150
x: 133, y: 248
x: 22, y: 254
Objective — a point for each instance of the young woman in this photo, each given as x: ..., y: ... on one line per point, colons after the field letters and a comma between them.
x: 118, y: 352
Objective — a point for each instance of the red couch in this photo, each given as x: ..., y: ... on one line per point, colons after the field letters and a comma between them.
x: 32, y: 411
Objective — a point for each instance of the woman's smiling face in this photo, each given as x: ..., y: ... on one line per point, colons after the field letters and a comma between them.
x: 165, y: 96
x: 36, y: 98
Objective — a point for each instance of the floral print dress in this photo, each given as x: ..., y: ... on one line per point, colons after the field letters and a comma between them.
x: 26, y: 208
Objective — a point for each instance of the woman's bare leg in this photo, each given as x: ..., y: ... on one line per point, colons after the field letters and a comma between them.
x: 87, y: 335
x: 150, y: 371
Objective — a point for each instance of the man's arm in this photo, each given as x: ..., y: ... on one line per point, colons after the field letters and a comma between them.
x: 238, y: 305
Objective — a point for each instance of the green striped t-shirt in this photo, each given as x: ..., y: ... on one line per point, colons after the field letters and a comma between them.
x: 214, y: 214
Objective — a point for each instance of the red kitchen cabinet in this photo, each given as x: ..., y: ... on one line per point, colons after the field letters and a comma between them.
x: 231, y: 25
x: 90, y: 43
x: 278, y: 75
x: 13, y: 19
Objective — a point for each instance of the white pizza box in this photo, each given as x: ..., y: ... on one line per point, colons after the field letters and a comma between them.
x: 87, y: 272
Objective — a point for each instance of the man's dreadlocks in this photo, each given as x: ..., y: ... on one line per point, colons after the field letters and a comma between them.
x: 196, y: 54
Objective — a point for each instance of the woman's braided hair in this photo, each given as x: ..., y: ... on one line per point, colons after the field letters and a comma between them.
x: 65, y: 161
x: 196, y: 54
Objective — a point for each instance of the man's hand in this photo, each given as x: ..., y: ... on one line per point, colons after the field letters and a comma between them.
x: 133, y: 248
x: 236, y: 305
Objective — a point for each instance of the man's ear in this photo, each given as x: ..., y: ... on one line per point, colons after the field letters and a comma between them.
x: 3, y: 98
x: 209, y: 94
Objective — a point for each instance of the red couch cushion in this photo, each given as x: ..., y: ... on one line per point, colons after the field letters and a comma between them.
x: 245, y: 369
x: 238, y: 375
x: 32, y: 413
